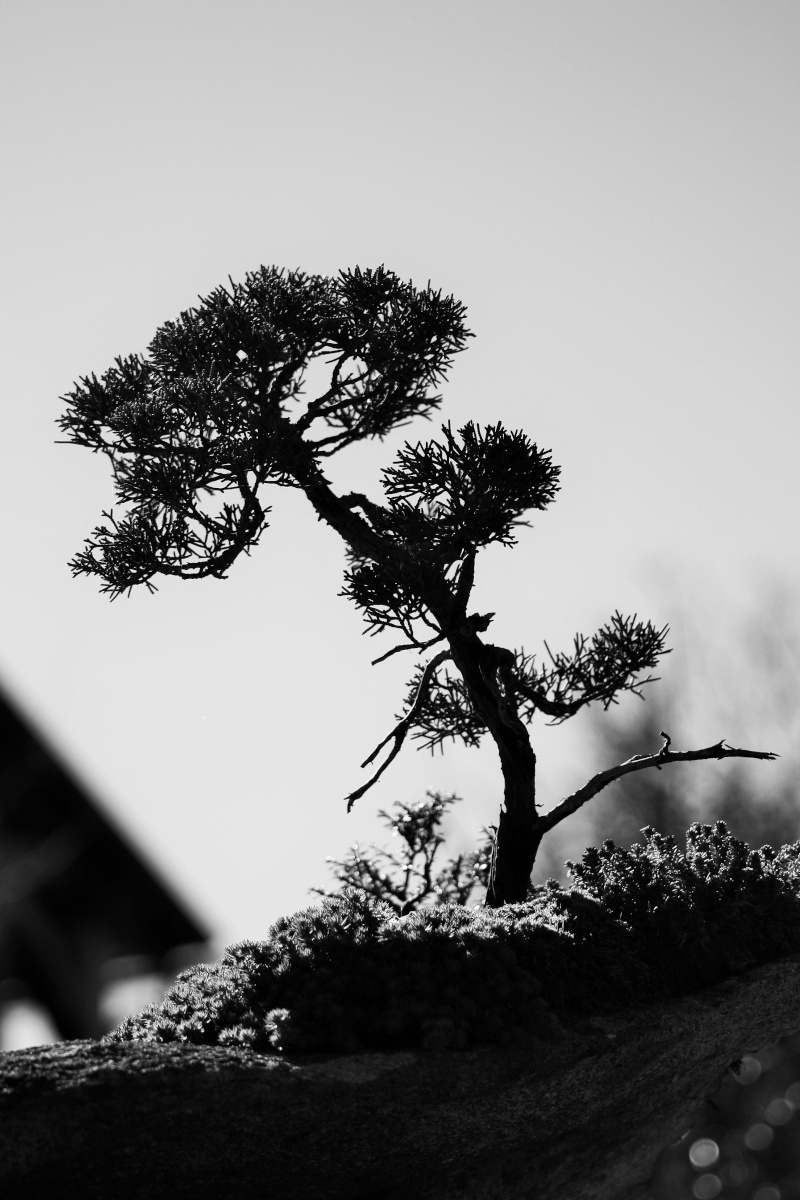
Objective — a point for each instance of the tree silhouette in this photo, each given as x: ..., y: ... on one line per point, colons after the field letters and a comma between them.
x: 217, y: 407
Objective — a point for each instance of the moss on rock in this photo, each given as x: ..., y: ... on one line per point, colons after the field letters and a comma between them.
x: 347, y: 974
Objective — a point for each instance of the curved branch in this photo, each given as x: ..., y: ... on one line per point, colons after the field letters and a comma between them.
x: 400, y: 730
x: 559, y: 709
x: 640, y: 762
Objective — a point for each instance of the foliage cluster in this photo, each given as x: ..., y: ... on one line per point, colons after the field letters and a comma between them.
x: 638, y: 925
x: 698, y: 916
x: 348, y: 975
x: 208, y: 410
x: 412, y: 877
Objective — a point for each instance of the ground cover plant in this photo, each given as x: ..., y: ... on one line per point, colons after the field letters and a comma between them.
x: 217, y: 408
x: 349, y: 974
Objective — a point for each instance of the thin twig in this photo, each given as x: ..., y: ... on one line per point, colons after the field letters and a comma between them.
x: 640, y: 762
x: 408, y: 646
x: 401, y: 729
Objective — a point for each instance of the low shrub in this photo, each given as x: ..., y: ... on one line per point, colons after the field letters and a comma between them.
x: 348, y: 974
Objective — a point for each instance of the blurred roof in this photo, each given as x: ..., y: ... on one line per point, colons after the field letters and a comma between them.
x: 74, y: 891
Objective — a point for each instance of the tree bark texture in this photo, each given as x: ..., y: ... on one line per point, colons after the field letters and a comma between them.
x: 518, y: 837
x: 584, y: 1118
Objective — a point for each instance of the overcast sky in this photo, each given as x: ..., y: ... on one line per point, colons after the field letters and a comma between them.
x: 612, y: 189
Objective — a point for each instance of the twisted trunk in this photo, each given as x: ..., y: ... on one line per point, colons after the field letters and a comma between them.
x: 516, y: 844
x: 518, y: 833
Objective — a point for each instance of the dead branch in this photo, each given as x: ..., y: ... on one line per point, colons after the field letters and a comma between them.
x: 640, y: 762
x: 408, y: 646
x: 401, y: 729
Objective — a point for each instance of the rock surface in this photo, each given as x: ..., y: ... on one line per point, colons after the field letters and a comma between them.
x: 584, y: 1118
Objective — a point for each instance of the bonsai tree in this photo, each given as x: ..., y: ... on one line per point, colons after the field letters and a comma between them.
x: 216, y: 408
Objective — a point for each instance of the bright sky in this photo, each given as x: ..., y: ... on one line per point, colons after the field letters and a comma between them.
x: 612, y: 189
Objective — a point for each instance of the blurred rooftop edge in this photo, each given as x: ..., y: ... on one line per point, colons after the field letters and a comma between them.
x: 81, y: 909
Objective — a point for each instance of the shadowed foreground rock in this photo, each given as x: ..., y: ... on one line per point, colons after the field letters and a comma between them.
x: 584, y: 1118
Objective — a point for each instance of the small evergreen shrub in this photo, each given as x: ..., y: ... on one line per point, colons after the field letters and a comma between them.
x: 348, y: 974
x: 639, y: 925
x: 700, y: 916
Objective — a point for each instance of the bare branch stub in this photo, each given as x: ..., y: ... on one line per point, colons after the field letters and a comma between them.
x: 641, y: 762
